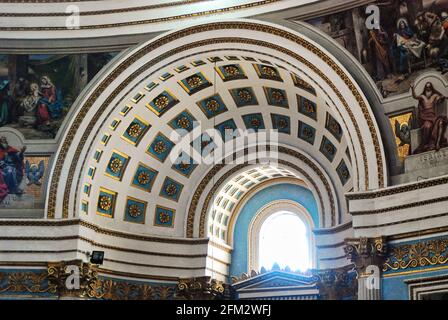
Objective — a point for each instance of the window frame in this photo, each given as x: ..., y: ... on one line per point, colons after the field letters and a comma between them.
x: 262, y: 215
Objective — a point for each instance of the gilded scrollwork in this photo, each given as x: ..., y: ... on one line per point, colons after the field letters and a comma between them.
x: 203, y: 288
x: 420, y: 254
x: 52, y: 283
x: 25, y: 282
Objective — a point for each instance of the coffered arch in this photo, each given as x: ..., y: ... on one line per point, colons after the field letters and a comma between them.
x: 296, y: 84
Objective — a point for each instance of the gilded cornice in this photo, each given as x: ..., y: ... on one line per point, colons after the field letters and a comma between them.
x: 400, y: 207
x: 419, y: 233
x: 424, y: 253
x: 89, y: 13
x: 396, y: 190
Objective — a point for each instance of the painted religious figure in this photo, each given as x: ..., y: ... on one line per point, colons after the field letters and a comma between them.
x: 406, y: 45
x: 5, y: 103
x: 11, y: 169
x: 433, y: 126
x: 379, y: 53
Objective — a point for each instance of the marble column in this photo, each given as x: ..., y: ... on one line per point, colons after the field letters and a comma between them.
x: 368, y: 255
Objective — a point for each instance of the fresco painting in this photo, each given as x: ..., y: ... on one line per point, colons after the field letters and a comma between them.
x: 38, y: 90
x: 412, y: 39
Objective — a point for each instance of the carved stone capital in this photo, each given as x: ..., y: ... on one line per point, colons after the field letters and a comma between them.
x: 364, y: 252
x: 202, y: 288
x: 336, y: 284
x: 73, y: 279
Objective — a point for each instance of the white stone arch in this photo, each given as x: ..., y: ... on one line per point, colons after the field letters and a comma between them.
x: 114, y: 87
x: 330, y: 200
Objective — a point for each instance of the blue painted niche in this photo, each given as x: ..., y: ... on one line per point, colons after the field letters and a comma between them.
x: 283, y: 191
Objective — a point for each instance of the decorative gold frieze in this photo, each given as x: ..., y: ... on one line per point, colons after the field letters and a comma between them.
x: 60, y: 275
x: 26, y: 282
x: 419, y: 254
x: 202, y: 288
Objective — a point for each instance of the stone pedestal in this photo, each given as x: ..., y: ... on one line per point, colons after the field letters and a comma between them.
x: 426, y: 160
x: 423, y: 166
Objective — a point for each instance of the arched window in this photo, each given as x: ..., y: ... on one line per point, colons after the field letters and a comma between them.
x: 284, y: 240
x: 281, y: 233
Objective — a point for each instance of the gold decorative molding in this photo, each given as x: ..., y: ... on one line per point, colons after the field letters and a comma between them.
x: 129, y: 23
x: 396, y: 190
x: 58, y: 277
x: 88, y: 13
x: 26, y: 281
x: 419, y: 233
x: 202, y: 288
x: 400, y: 207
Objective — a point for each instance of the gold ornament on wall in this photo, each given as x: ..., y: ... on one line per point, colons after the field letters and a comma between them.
x: 115, y: 165
x: 212, y: 105
x: 105, y: 203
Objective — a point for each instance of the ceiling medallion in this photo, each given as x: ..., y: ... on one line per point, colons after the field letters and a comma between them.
x: 171, y: 189
x: 334, y: 127
x: 307, y: 132
x: 143, y: 177
x: 134, y: 210
x: 330, y: 148
x: 245, y: 95
x: 212, y: 105
x: 231, y: 70
x: 164, y: 217
x: 105, y: 203
x: 308, y: 107
x: 277, y: 95
x: 194, y: 81
x: 255, y: 122
x: 183, y: 122
x: 162, y: 102
x: 282, y: 123
x: 268, y: 71
x: 135, y: 130
x: 160, y: 147
x: 115, y: 165
x: 185, y: 166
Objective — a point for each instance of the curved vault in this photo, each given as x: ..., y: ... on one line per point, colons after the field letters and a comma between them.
x: 282, y: 80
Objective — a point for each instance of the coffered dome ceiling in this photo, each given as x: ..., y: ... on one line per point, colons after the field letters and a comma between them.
x: 130, y: 181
